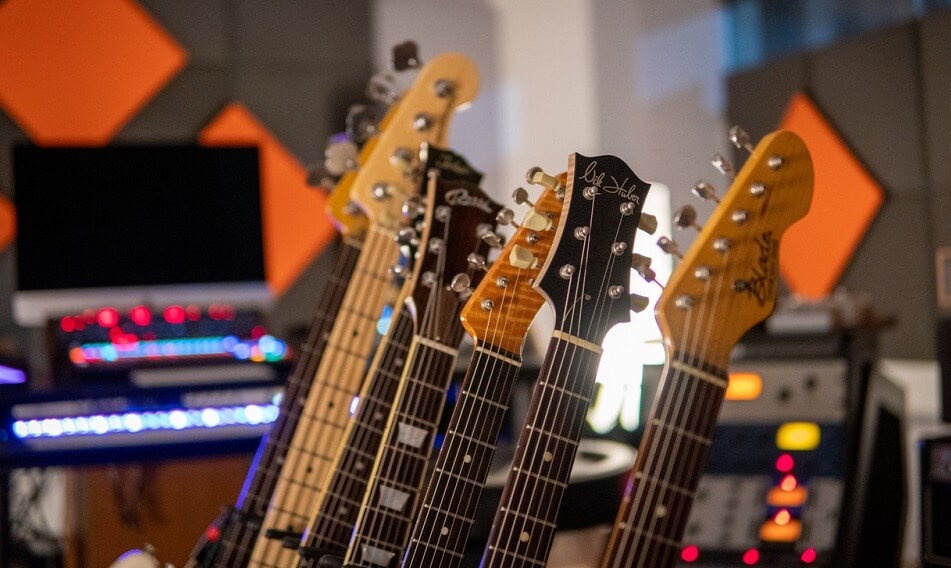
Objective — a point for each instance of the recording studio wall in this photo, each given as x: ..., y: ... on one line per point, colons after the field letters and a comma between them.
x: 886, y: 95
x: 296, y: 69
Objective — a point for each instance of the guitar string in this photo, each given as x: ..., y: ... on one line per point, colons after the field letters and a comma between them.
x: 481, y: 375
x: 323, y: 322
x: 314, y: 430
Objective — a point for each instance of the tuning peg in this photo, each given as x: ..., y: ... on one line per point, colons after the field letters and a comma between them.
x: 723, y: 165
x: 536, y: 221
x: 341, y: 156
x: 647, y: 223
x: 362, y: 123
x: 536, y: 176
x: 642, y: 265
x: 669, y: 246
x: 520, y: 195
x: 521, y: 257
x: 506, y: 217
x: 382, y: 89
x: 406, y: 237
x: 402, y: 158
x: 406, y: 56
x: 413, y: 206
x: 639, y: 303
x: 705, y: 191
x: 383, y: 190
x: 740, y: 138
x: 461, y: 283
x: 492, y: 239
x: 685, y: 217
x: 477, y: 261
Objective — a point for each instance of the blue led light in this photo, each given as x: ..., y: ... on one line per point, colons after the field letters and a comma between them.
x: 132, y: 422
x: 386, y: 317
x: 254, y: 413
x: 210, y: 417
x: 99, y: 424
x: 178, y: 419
x: 20, y: 429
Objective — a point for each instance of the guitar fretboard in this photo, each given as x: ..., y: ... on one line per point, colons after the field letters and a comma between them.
x: 449, y: 507
x: 390, y: 501
x: 525, y: 522
x: 669, y: 464
x: 327, y: 410
x: 331, y: 527
x: 243, y: 524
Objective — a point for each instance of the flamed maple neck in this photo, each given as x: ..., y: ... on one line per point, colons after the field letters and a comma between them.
x: 525, y: 521
x: 449, y: 506
x: 669, y: 464
x: 234, y: 546
x: 339, y: 503
x: 326, y: 411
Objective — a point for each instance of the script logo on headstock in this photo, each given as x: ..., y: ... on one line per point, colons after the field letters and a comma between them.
x: 624, y: 189
x: 461, y: 196
x: 762, y: 285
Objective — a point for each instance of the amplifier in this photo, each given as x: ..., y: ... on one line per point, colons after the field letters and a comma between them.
x: 935, y: 501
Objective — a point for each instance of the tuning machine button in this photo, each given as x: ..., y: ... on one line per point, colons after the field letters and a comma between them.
x: 740, y: 138
x: 685, y: 217
x: 639, y: 303
x: 413, y: 206
x: 520, y: 196
x: 521, y: 257
x: 536, y: 176
x: 642, y: 265
x: 723, y: 165
x: 506, y: 217
x: 340, y: 157
x: 705, y: 191
x: 406, y: 56
x: 461, y: 283
x: 669, y: 246
x: 382, y: 89
x: 477, y: 261
x: 536, y: 221
x: 362, y: 122
x: 406, y: 236
x: 647, y: 223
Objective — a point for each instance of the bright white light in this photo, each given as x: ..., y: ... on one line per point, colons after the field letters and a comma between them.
x: 178, y: 419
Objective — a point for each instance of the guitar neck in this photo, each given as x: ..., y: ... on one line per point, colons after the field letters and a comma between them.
x: 402, y: 462
x: 338, y: 504
x: 524, y: 527
x: 327, y: 410
x: 242, y: 526
x: 449, y: 506
x: 669, y: 464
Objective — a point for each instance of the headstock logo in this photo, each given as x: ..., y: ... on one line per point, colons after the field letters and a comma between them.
x: 762, y: 285
x: 449, y: 162
x: 624, y: 189
x: 461, y: 196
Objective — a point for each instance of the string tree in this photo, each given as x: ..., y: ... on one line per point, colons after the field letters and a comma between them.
x: 705, y: 191
x: 686, y: 216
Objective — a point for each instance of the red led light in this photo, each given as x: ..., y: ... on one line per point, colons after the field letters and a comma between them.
x: 89, y: 317
x: 140, y: 315
x: 67, y: 324
x: 107, y: 317
x: 690, y: 553
x: 227, y: 312
x: 788, y: 483
x: 784, y: 463
x: 212, y: 533
x: 125, y: 338
x: 751, y: 557
x: 808, y: 556
x: 193, y: 312
x: 114, y: 333
x: 174, y: 314
x: 258, y: 331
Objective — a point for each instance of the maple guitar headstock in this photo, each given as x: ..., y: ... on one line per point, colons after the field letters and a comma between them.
x: 586, y: 277
x: 504, y: 304
x: 458, y: 215
x: 387, y: 171
x: 726, y: 282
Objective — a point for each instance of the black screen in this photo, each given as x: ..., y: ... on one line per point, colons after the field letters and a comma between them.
x: 136, y: 216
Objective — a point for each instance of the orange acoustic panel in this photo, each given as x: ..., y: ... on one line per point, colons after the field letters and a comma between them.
x: 295, y: 226
x: 74, y: 72
x: 846, y: 198
x: 8, y: 223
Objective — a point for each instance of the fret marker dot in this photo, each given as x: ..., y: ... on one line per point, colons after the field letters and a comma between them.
x: 661, y: 511
x: 467, y: 458
x: 444, y: 531
x: 377, y: 416
x: 342, y: 511
x: 525, y: 536
x: 359, y: 466
x: 547, y: 456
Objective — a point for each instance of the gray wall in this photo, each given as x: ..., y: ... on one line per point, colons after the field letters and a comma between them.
x: 886, y: 95
x: 295, y: 64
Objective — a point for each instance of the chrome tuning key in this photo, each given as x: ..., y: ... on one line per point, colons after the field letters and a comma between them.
x: 741, y: 139
x: 705, y: 191
x: 406, y: 56
x: 669, y: 246
x: 461, y: 283
x: 506, y: 217
x: 477, y: 261
x: 382, y: 89
x: 723, y: 165
x: 536, y: 176
x: 520, y: 196
x: 685, y: 217
x: 340, y: 157
x: 363, y: 121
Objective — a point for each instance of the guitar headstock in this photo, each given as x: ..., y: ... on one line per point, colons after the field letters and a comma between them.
x: 586, y: 278
x: 504, y: 304
x: 726, y: 282
x: 458, y: 215
x: 388, y: 171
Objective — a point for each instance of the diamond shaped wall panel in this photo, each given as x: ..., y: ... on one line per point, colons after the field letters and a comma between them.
x: 76, y: 72
x: 846, y: 198
x: 296, y: 228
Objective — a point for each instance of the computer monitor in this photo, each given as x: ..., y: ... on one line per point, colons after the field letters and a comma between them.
x: 136, y: 224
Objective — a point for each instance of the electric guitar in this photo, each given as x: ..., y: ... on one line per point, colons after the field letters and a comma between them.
x: 586, y: 280
x: 386, y: 176
x: 497, y: 317
x: 725, y: 284
x: 338, y: 500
